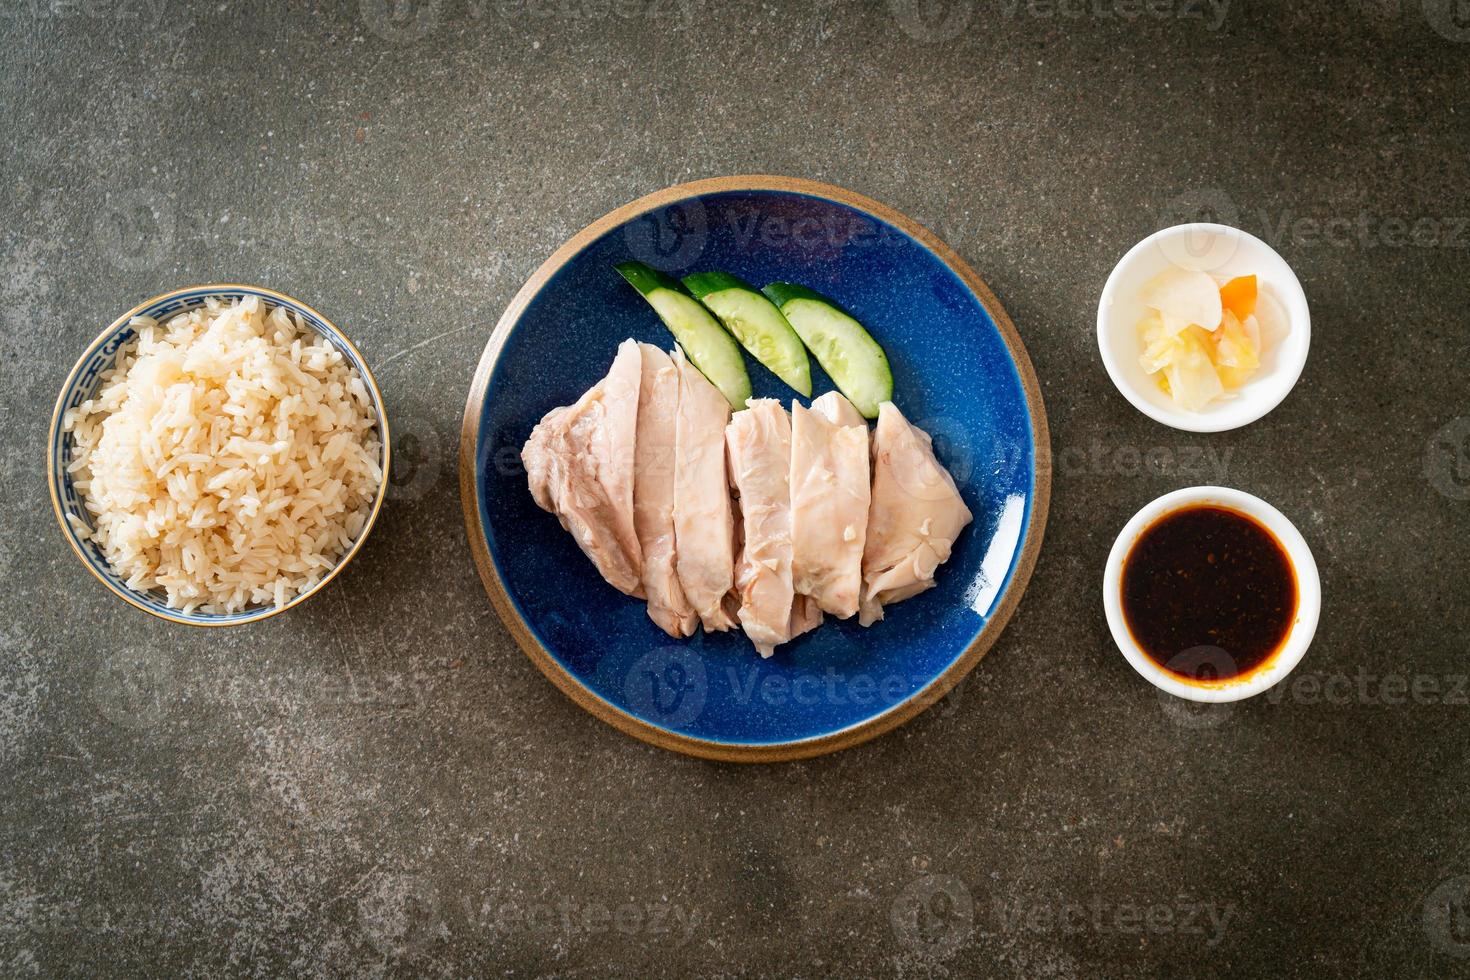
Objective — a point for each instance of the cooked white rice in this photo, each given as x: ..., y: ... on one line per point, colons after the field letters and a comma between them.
x: 229, y: 459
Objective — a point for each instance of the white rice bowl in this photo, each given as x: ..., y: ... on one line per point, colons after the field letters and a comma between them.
x: 229, y: 459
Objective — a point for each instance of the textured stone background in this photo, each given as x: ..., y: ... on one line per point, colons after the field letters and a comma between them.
x: 325, y: 794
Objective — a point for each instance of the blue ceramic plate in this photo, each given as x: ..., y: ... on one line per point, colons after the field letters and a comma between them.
x: 960, y: 372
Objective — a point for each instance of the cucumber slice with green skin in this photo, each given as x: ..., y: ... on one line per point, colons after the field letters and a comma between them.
x: 756, y: 323
x: 846, y: 351
x: 708, y: 345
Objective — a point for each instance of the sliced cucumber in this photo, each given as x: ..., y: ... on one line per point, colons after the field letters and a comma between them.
x: 756, y: 323
x: 708, y: 345
x: 846, y: 351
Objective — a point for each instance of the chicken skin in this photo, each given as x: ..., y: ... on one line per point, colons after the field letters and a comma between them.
x: 829, y: 503
x: 653, y: 493
x: 580, y: 466
x: 758, y: 440
x: 704, y: 529
x: 914, y: 517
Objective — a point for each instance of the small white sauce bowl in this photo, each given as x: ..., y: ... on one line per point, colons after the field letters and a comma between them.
x: 1298, y: 638
x: 1225, y: 252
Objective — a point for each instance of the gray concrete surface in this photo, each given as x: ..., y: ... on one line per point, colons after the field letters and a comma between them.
x: 329, y: 794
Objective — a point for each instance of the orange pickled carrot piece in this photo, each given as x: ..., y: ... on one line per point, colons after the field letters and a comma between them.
x: 1239, y: 296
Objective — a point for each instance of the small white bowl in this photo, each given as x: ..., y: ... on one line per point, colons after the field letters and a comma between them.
x: 1225, y: 252
x: 1298, y: 638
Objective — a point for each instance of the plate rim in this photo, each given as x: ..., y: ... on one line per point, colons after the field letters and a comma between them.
x: 753, y: 752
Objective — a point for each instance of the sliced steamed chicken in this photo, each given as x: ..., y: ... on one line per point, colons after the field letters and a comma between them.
x: 759, y: 443
x: 916, y: 514
x: 653, y: 493
x: 835, y: 408
x: 805, y: 615
x: 580, y: 466
x: 704, y: 529
x: 829, y: 502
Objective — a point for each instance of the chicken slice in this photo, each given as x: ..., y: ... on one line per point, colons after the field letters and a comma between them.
x: 829, y: 503
x: 579, y: 464
x: 704, y: 528
x: 759, y: 443
x: 805, y: 615
x: 915, y: 515
x: 653, y: 493
x: 835, y: 408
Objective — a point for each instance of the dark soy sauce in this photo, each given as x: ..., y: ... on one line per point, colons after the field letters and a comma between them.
x: 1208, y: 593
